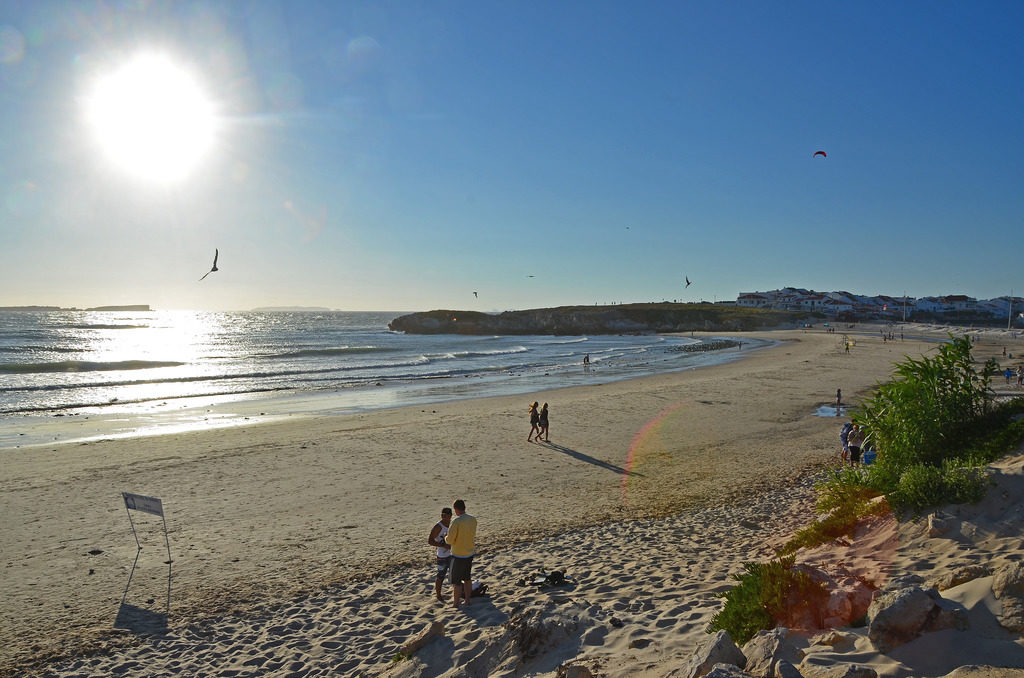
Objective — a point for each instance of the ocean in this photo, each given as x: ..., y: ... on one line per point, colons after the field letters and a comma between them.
x: 148, y: 372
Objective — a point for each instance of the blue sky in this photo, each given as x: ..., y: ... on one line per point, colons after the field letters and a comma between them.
x: 402, y: 155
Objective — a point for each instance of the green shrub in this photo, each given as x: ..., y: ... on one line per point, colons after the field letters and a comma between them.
x: 921, y: 485
x: 845, y: 496
x: 763, y: 594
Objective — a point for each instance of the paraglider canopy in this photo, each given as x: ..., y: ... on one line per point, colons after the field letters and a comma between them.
x: 821, y: 153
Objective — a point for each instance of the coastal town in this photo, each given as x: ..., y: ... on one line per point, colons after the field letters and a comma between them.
x: 846, y: 305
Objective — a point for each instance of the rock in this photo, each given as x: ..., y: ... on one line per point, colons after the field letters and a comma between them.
x: 848, y: 600
x: 1008, y: 588
x: 959, y: 576
x: 768, y: 648
x: 940, y: 524
x: 410, y: 647
x: 717, y: 649
x: 897, y: 617
x: 577, y: 671
x: 974, y: 671
x: 1009, y: 581
x: 903, y: 580
x: 783, y: 669
x: 840, y: 671
x: 728, y: 671
x: 839, y: 642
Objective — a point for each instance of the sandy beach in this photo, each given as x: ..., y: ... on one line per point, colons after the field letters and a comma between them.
x: 299, y: 545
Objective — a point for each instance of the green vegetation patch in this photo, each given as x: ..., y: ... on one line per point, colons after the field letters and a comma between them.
x: 767, y: 591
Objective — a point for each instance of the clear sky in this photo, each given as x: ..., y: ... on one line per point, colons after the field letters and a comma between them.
x: 403, y: 155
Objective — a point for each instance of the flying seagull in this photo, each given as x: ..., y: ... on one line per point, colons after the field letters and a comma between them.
x: 474, y: 294
x: 687, y: 281
x: 216, y: 253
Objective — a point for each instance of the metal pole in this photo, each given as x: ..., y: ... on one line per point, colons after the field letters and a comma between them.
x: 168, y: 542
x: 132, y: 573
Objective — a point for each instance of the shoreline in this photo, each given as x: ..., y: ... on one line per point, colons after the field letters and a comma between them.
x: 263, y: 514
x: 168, y: 416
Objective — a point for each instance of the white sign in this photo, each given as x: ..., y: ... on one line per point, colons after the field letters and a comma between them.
x: 141, y: 502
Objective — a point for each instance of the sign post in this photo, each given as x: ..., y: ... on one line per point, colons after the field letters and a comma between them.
x: 152, y: 505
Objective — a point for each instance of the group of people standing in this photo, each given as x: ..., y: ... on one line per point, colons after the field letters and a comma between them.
x: 538, y: 422
x: 852, y: 439
x: 455, y: 540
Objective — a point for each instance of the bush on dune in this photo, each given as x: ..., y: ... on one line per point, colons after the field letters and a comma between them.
x: 765, y: 592
x: 935, y: 427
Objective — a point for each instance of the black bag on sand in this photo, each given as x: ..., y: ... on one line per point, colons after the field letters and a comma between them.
x: 543, y: 578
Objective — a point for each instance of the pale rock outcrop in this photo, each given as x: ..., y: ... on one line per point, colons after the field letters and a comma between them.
x: 940, y: 524
x: 839, y: 671
x: 768, y: 648
x: 715, y: 650
x: 728, y: 671
x: 961, y: 575
x: 1008, y: 588
x: 897, y: 617
x: 848, y: 599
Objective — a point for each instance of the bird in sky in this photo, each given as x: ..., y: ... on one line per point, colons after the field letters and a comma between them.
x: 687, y: 281
x: 216, y: 253
x: 531, y: 276
x: 474, y: 294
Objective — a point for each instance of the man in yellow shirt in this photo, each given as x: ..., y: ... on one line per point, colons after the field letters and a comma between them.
x: 460, y: 537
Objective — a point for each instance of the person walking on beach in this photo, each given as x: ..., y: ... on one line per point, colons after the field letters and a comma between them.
x: 542, y: 421
x: 444, y: 554
x: 844, y: 440
x: 855, y: 439
x: 461, y: 538
x: 839, y: 397
x: 534, y: 421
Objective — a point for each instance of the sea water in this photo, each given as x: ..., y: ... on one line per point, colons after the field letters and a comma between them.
x: 137, y: 367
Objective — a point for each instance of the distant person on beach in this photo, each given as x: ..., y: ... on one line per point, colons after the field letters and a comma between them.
x: 844, y: 440
x: 839, y: 397
x: 461, y: 538
x: 856, y: 440
x: 543, y: 423
x: 444, y: 554
x: 1008, y: 373
x: 534, y: 421
x: 586, y: 360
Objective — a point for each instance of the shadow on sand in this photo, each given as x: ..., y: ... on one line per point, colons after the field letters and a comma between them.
x: 139, y: 620
x: 591, y: 460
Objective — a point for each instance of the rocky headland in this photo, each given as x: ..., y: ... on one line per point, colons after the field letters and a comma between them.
x: 617, y: 319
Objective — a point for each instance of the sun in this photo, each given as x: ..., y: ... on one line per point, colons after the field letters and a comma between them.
x: 151, y: 119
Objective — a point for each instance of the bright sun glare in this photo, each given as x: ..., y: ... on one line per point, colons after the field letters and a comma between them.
x: 152, y: 119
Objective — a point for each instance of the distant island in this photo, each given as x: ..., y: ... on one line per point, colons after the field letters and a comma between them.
x: 29, y: 309
x: 615, y: 319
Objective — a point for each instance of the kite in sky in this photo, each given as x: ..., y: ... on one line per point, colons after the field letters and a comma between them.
x: 216, y: 253
x: 821, y: 153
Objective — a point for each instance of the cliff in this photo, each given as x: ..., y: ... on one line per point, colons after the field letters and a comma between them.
x: 619, y: 319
